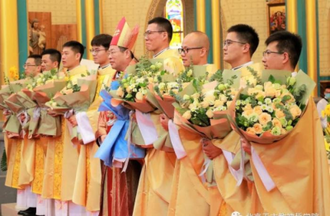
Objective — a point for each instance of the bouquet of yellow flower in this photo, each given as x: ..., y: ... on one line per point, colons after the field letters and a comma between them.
x: 203, y: 110
x: 267, y: 111
x: 166, y: 86
x: 133, y: 88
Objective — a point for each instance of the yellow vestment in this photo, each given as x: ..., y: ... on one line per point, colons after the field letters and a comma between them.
x: 87, y: 191
x: 154, y: 191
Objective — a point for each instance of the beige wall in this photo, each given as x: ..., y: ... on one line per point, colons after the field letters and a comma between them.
x: 324, y: 36
x: 135, y: 13
x: 250, y: 12
x: 63, y: 11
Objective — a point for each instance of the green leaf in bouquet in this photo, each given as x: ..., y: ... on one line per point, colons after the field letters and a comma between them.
x: 288, y: 115
x: 255, y: 74
x: 275, y: 76
x: 217, y: 76
x: 268, y: 126
x: 232, y: 77
x: 285, y: 99
x: 197, y: 85
x: 271, y: 79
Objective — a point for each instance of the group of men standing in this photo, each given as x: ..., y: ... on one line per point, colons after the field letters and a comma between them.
x: 74, y: 182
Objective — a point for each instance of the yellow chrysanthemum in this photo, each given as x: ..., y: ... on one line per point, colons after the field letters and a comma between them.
x: 13, y: 74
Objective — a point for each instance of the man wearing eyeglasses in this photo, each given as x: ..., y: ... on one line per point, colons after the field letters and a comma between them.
x: 157, y: 174
x: 26, y: 198
x: 157, y: 38
x: 308, y: 168
x: 195, y: 49
x: 32, y: 66
x: 282, y: 52
x: 240, y: 44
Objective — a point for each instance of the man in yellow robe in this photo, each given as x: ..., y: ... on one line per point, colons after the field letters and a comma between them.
x: 89, y: 169
x: 62, y: 155
x: 21, y: 155
x: 188, y: 188
x: 240, y: 44
x: 154, y: 191
x: 300, y: 171
x: 50, y: 60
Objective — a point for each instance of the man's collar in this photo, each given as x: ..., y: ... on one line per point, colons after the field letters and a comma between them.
x: 104, y: 66
x: 160, y: 52
x: 72, y: 68
x: 243, y: 65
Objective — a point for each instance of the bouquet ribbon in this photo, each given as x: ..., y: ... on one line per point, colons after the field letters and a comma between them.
x: 84, y: 127
x: 36, y: 113
x: 115, y: 147
x: 26, y: 119
x: 229, y: 158
x: 147, y: 127
x: 264, y: 175
x: 176, y: 141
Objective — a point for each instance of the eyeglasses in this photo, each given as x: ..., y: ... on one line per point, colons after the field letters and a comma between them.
x: 96, y: 50
x: 149, y: 32
x: 28, y: 65
x: 267, y: 52
x: 228, y: 42
x: 186, y: 50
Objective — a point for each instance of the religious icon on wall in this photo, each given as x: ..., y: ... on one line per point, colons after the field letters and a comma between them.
x: 277, y: 17
x: 37, y: 37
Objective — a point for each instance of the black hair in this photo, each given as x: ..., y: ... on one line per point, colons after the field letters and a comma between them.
x: 287, y: 42
x: 163, y: 25
x: 76, y: 47
x: 54, y: 55
x: 246, y: 34
x: 102, y: 40
x: 37, y: 59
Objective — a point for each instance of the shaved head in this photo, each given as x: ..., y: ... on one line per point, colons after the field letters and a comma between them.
x: 196, y: 45
x: 200, y: 39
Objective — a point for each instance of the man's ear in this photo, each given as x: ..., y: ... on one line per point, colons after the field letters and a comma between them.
x: 55, y: 64
x: 77, y: 56
x: 127, y: 53
x: 246, y: 48
x: 39, y: 68
x: 286, y: 57
x: 203, y: 52
x: 165, y: 35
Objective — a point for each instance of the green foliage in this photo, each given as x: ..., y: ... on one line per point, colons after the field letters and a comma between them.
x: 255, y: 75
x: 217, y: 76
